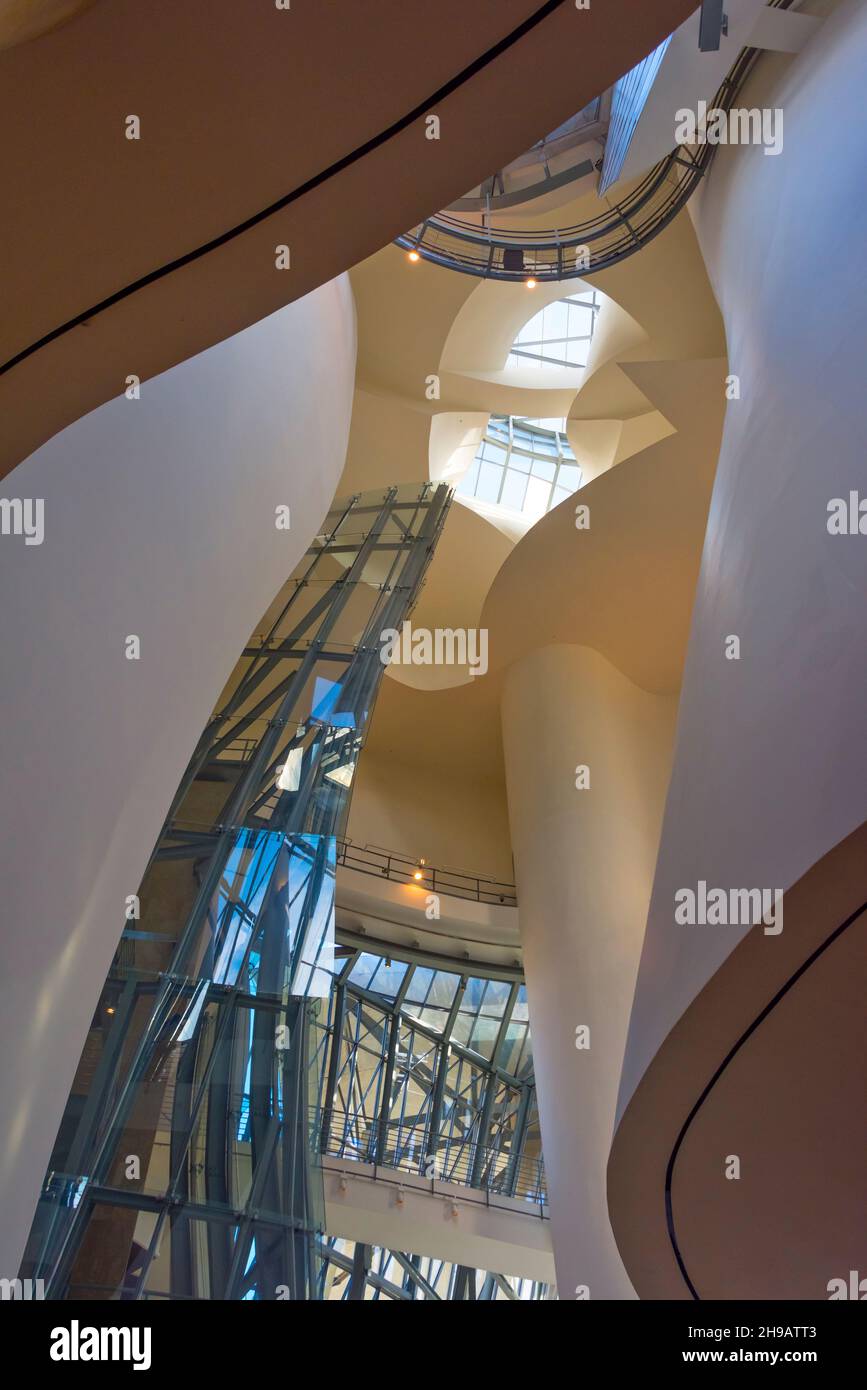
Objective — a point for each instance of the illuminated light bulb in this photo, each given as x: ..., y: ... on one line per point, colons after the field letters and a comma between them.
x: 418, y: 875
x: 531, y: 283
x: 413, y: 256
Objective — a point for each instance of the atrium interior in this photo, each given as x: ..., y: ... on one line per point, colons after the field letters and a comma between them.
x: 433, y: 556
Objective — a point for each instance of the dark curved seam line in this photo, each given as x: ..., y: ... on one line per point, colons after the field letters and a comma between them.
x: 669, y: 1172
x: 315, y: 182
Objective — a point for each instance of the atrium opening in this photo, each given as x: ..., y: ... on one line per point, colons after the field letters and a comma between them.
x: 434, y: 588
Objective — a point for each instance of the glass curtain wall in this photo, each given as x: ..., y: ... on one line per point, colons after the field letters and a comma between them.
x: 430, y: 1070
x: 352, y: 1271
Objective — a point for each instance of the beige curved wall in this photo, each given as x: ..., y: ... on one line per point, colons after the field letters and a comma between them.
x: 584, y: 864
x: 625, y: 586
x: 454, y: 820
x: 430, y: 779
x: 770, y: 765
x: 788, y: 1104
x: 159, y: 522
x: 242, y: 105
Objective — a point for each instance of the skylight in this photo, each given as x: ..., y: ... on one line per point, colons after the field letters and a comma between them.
x: 559, y: 335
x: 523, y: 465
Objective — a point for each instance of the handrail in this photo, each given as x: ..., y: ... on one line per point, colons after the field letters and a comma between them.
x: 398, y: 868
x: 409, y: 1149
x: 607, y: 238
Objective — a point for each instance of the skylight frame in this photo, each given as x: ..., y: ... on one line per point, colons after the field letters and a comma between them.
x: 510, y: 436
x: 519, y: 356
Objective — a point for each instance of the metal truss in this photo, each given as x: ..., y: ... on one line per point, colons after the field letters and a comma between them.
x: 354, y: 1272
x: 186, y: 1165
x: 430, y: 1070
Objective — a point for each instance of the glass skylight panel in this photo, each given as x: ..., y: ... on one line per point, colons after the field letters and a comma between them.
x: 538, y: 497
x: 523, y: 465
x: 490, y: 482
x: 514, y: 491
x: 559, y: 335
x: 545, y: 468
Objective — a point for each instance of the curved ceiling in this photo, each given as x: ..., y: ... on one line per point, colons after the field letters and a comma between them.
x: 260, y: 127
x: 660, y: 339
x: 758, y: 1068
x: 625, y: 584
x: 626, y: 588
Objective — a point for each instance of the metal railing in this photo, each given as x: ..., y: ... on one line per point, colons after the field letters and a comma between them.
x: 398, y: 868
x: 618, y: 231
x: 409, y: 1150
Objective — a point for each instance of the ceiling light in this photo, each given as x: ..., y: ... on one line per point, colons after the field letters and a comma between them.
x: 413, y: 256
x: 531, y: 283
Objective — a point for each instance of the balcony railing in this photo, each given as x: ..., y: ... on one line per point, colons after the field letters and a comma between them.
x: 409, y: 1150
x: 472, y: 244
x: 399, y: 868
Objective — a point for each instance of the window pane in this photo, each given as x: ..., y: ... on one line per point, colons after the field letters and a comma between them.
x: 419, y: 984
x: 545, y: 444
x: 470, y: 479
x: 560, y: 333
x: 364, y: 968
x: 538, y: 493
x: 542, y: 468
x: 493, y: 453
x: 490, y: 477
x: 529, y: 445
x: 514, y: 489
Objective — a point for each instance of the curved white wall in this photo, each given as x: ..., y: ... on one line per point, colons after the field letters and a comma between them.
x: 584, y: 867
x: 770, y: 765
x: 160, y: 522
